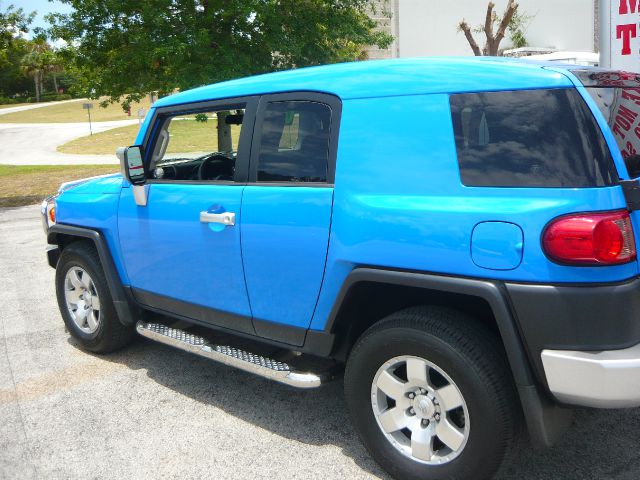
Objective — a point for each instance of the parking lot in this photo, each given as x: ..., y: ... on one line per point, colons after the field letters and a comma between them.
x: 153, y: 412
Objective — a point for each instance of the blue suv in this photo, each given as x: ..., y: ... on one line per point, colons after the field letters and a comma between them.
x: 457, y: 233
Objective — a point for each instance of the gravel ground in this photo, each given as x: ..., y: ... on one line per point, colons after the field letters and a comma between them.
x: 153, y: 412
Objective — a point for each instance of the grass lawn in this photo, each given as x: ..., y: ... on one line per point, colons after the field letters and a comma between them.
x: 186, y: 136
x: 103, y: 143
x: 73, y: 112
x: 28, y: 185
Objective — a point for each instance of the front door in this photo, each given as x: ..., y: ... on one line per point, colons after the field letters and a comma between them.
x: 182, y: 249
x: 286, y: 210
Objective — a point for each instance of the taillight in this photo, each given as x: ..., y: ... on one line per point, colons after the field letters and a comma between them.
x: 590, y: 239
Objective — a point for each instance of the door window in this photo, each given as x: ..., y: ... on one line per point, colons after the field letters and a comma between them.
x: 294, y: 142
x: 198, y: 146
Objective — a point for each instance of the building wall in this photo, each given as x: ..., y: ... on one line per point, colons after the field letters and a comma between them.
x: 429, y: 27
x: 384, y: 12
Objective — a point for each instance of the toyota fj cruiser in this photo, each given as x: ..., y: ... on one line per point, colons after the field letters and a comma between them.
x: 459, y: 233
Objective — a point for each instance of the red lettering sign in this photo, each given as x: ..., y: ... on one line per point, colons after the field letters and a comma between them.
x: 626, y: 5
x: 626, y: 32
x: 628, y: 94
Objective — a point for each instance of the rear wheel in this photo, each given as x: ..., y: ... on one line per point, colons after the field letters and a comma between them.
x: 85, y: 301
x: 431, y: 396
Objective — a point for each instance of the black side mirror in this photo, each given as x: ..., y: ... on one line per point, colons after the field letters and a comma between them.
x: 133, y: 166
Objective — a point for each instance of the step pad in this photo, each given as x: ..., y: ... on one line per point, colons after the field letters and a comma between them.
x: 250, y: 362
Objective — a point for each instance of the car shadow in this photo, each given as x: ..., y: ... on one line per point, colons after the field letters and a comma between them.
x: 598, y: 445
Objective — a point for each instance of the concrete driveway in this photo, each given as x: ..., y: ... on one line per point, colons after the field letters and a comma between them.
x: 36, y: 143
x: 22, y: 108
x: 153, y: 412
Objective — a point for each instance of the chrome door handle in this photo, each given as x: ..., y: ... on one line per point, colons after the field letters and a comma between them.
x: 226, y: 218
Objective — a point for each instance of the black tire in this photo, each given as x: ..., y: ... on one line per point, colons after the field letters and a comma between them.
x: 110, y: 334
x: 472, y: 356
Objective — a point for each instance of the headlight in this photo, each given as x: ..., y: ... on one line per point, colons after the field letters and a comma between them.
x: 48, y: 211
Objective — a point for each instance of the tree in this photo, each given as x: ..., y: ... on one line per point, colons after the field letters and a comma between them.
x: 509, y: 20
x: 37, y: 62
x: 12, y: 79
x: 127, y: 48
x: 54, y: 66
x: 14, y: 24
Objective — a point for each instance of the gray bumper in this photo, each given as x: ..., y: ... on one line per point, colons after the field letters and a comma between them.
x: 604, y: 379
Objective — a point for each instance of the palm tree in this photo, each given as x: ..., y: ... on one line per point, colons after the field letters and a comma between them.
x: 36, y: 63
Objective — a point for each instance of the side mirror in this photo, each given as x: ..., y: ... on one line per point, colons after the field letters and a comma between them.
x: 131, y: 164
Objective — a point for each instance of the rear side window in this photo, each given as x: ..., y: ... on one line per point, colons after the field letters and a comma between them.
x: 294, y: 143
x: 529, y: 138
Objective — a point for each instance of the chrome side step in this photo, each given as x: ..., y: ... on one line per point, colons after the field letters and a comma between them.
x: 247, y: 361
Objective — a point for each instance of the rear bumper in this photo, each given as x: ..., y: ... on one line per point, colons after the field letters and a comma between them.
x: 583, y: 340
x: 605, y: 379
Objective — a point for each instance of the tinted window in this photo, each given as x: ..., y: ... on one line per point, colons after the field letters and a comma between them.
x: 294, y: 142
x: 531, y: 138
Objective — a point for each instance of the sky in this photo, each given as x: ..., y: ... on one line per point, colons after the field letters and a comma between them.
x: 41, y: 6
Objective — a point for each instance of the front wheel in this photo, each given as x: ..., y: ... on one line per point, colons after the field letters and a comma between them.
x: 430, y: 394
x: 85, y: 301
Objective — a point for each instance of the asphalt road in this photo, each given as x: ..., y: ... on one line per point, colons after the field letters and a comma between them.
x: 153, y: 412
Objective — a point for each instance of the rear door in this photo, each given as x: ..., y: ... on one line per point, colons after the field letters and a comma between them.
x: 286, y: 210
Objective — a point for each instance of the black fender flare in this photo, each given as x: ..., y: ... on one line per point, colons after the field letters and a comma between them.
x: 60, y: 234
x: 545, y: 420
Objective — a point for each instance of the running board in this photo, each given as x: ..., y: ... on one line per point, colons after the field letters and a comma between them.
x: 234, y: 357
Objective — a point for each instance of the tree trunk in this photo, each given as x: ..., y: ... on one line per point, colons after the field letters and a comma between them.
x: 55, y: 83
x: 492, y: 45
x: 41, y: 76
x: 472, y: 42
x: 37, y: 85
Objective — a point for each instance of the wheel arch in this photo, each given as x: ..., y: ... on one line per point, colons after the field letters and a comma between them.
x: 485, y: 300
x: 63, y: 235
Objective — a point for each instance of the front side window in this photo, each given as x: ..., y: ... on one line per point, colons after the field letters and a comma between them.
x: 198, y: 146
x: 294, y: 142
x: 529, y: 138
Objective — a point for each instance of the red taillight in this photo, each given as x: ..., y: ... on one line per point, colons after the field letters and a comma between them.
x: 590, y: 239
x: 52, y: 214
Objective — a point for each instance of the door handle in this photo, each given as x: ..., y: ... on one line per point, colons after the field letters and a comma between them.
x: 225, y: 218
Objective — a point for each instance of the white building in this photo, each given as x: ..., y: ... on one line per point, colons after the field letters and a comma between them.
x: 430, y: 27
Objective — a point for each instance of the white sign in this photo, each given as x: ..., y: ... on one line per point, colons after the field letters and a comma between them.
x: 620, y: 34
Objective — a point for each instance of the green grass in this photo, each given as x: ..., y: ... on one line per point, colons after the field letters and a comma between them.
x: 186, y: 136
x: 73, y: 112
x: 103, y: 143
x: 28, y: 185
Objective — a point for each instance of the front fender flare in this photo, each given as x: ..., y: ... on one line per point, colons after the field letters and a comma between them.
x: 60, y: 234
